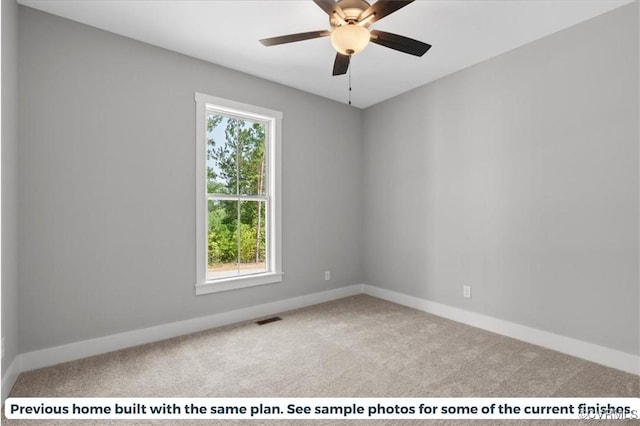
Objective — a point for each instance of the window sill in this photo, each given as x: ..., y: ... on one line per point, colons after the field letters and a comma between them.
x: 235, y: 283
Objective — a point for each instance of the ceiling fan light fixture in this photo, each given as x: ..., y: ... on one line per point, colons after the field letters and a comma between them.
x: 349, y: 21
x: 350, y: 39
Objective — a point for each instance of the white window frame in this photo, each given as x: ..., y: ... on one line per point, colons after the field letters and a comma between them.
x: 274, y: 244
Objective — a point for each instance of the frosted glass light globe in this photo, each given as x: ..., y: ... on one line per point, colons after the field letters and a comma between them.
x: 350, y: 39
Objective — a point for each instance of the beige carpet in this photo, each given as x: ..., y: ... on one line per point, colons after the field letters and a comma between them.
x: 354, y: 347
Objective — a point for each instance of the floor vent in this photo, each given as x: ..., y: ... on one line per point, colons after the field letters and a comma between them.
x: 268, y: 320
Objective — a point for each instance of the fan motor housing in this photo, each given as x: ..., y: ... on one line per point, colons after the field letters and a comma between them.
x: 352, y: 10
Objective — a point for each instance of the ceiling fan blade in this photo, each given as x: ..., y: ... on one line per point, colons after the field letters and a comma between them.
x: 399, y: 43
x: 329, y: 6
x: 341, y: 64
x: 290, y: 38
x: 382, y: 8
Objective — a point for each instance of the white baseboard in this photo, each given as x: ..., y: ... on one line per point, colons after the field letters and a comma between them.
x: 77, y: 350
x: 10, y: 376
x: 567, y: 345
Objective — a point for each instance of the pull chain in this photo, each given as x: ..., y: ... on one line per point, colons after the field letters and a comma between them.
x: 350, y: 66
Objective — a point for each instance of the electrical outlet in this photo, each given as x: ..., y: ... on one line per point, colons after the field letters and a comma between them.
x: 327, y: 275
x: 466, y: 291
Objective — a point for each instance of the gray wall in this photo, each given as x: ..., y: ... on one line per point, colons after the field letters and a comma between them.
x: 9, y: 181
x: 519, y: 177
x: 106, y: 173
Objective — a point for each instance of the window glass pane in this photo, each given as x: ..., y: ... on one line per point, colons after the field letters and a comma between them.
x: 252, y: 164
x: 252, y: 237
x: 223, y: 239
x: 221, y: 154
x: 236, y: 157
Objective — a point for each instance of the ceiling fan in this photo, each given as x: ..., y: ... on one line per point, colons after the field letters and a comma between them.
x: 350, y: 33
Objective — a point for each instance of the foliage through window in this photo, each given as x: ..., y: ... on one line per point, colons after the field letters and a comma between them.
x: 236, y: 169
x: 242, y: 239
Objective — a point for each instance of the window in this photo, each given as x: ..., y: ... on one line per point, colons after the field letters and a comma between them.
x: 238, y: 231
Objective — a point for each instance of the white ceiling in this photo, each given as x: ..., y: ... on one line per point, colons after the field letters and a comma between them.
x: 462, y: 32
